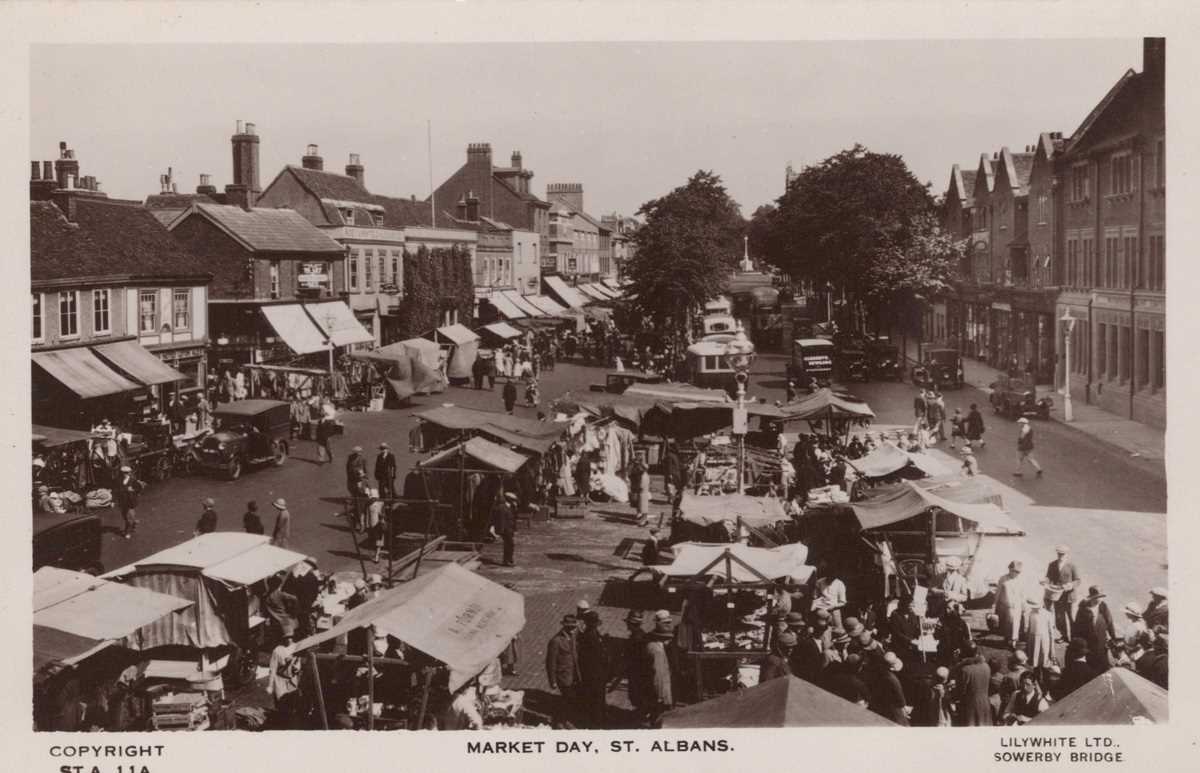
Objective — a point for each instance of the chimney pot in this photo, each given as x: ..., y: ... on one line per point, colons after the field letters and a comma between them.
x: 70, y: 182
x: 47, y: 170
x: 250, y: 128
x: 35, y: 170
x: 96, y: 185
x: 239, y: 128
x: 355, y: 169
x: 312, y: 159
x: 204, y: 179
x: 311, y: 150
x: 174, y: 188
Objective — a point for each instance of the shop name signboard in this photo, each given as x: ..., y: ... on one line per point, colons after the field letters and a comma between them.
x: 313, y: 276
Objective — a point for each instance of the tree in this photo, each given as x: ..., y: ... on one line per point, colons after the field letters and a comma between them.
x: 686, y: 249
x: 904, y: 276
x: 435, y: 281
x: 837, y: 215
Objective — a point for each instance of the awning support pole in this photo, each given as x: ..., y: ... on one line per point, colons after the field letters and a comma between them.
x: 316, y: 672
x: 371, y: 677
x: 424, y: 698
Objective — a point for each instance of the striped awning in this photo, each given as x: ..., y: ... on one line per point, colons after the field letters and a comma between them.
x: 130, y: 357
x: 81, y: 371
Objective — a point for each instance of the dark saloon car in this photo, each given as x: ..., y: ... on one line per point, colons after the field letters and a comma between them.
x: 246, y: 432
x: 1015, y: 398
x: 854, y: 366
x: 942, y: 368
x: 884, y: 361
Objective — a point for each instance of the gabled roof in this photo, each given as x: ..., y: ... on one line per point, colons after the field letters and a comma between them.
x: 962, y: 184
x: 398, y: 213
x: 265, y: 230
x: 107, y: 238
x: 985, y: 175
x: 178, y: 201
x: 329, y: 185
x: 1013, y: 170
x: 1088, y: 122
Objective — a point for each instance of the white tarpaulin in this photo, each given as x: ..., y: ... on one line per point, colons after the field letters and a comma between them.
x: 693, y: 558
x: 295, y: 328
x: 335, y: 318
x: 754, y: 511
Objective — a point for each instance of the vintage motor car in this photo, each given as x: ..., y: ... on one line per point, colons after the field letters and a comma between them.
x: 69, y: 540
x: 246, y: 432
x: 812, y: 360
x: 618, y: 381
x: 941, y: 368
x: 884, y: 360
x: 853, y: 365
x: 1015, y: 398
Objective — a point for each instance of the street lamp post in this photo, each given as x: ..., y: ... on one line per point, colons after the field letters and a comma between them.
x: 1070, y: 321
x: 739, y: 353
x: 329, y: 319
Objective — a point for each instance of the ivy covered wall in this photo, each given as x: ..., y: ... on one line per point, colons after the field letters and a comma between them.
x: 434, y: 281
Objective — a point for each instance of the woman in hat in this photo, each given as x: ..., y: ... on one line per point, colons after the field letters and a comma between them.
x: 1156, y: 610
x: 283, y: 524
x: 778, y: 662
x: 1041, y: 634
x: 1077, y: 672
x: 1135, y: 624
x: 1094, y: 624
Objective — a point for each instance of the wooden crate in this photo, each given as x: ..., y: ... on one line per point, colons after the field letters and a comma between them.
x: 571, y: 507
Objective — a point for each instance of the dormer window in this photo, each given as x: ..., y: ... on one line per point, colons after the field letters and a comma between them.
x: 348, y: 216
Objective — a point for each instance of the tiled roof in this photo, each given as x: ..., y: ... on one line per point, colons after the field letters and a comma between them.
x: 270, y: 230
x: 330, y: 185
x: 968, y: 181
x: 107, y: 238
x: 1022, y: 165
x: 178, y: 201
x: 1079, y: 134
x: 398, y: 213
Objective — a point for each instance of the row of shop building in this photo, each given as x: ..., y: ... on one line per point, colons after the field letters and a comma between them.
x: 1067, y: 238
x: 133, y: 300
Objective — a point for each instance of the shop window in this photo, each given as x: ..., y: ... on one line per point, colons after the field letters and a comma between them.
x: 352, y: 264
x: 68, y: 313
x: 368, y: 262
x: 1142, y: 371
x: 100, y: 312
x: 181, y: 300
x: 1101, y: 350
x: 148, y: 311
x: 37, y: 299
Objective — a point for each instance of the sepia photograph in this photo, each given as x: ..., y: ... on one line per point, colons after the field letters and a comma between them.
x: 628, y: 386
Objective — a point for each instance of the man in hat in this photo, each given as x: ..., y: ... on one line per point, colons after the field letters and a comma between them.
x: 1011, y: 592
x: 778, y: 662
x: 974, y: 427
x: 385, y: 471
x: 1061, y: 574
x: 593, y: 671
x: 1077, y: 672
x: 207, y: 523
x: 1156, y: 610
x: 974, y: 680
x: 304, y: 583
x: 807, y: 659
x: 126, y: 493
x: 844, y: 679
x: 504, y: 524
x: 637, y: 671
x: 660, y: 697
x: 1094, y: 623
x: 864, y: 644
x: 887, y: 697
x: 509, y: 395
x: 1025, y: 447
x: 282, y: 533
x: 562, y: 669
x: 904, y: 627
x: 251, y: 520
x: 970, y: 465
x: 281, y: 606
x: 1135, y: 623
x: 582, y: 607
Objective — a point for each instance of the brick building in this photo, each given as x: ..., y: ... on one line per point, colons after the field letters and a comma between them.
x: 119, y: 309
x: 1112, y: 203
x: 584, y: 242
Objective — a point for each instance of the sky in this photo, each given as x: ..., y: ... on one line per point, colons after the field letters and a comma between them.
x: 629, y: 121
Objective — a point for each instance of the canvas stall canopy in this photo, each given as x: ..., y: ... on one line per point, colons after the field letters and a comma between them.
x: 408, y: 371
x: 479, y: 451
x: 452, y: 615
x: 465, y: 349
x: 76, y: 614
x: 753, y: 511
x: 886, y: 459
x: 535, y: 436
x: 785, y: 702
x: 563, y: 293
x: 503, y: 331
x: 826, y: 404
x: 212, y: 571
x: 1119, y: 696
x: 337, y: 320
x: 910, y: 500
x: 679, y: 392
x: 53, y: 437
x: 745, y: 565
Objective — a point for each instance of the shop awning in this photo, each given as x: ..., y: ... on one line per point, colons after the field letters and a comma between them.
x: 505, y: 306
x: 522, y: 303
x: 336, y: 318
x: 605, y: 290
x: 503, y: 330
x: 130, y: 357
x: 547, y: 305
x: 480, y: 450
x: 453, y: 615
x: 83, y: 372
x: 457, y: 333
x: 296, y: 329
x: 228, y: 556
x: 52, y: 437
x: 591, y: 291
x: 568, y: 295
x: 694, y: 559
x: 614, y: 288
x: 785, y: 702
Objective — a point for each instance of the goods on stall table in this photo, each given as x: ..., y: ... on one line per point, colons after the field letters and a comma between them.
x: 750, y: 640
x: 827, y: 495
x: 180, y: 711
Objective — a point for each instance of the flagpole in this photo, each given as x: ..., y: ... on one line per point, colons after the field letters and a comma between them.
x: 429, y: 153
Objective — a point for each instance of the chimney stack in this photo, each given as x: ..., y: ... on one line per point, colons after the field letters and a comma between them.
x: 244, y: 190
x: 47, y: 170
x: 35, y: 170
x: 479, y: 155
x: 66, y: 165
x: 206, y: 187
x: 461, y: 208
x: 570, y: 194
x: 355, y: 169
x: 312, y: 159
x: 516, y: 159
x: 1154, y: 59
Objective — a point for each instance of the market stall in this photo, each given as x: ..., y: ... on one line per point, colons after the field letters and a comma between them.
x: 460, y: 347
x: 785, y: 702
x: 1117, y: 697
x: 443, y: 630
x: 835, y: 412
x: 448, y: 422
x: 405, y: 367
x: 726, y: 518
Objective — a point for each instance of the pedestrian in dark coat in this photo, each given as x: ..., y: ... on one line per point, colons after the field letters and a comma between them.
x: 673, y: 472
x: 562, y: 669
x: 974, y: 427
x: 207, y: 523
x: 509, y: 394
x: 920, y: 408
x: 385, y: 472
x: 478, y: 371
x: 887, y: 699
x: 251, y: 521
x: 1077, y: 672
x: 504, y: 524
x: 637, y: 666
x: 974, y: 683
x: 1094, y: 623
x: 593, y: 671
x: 778, y: 663
x: 126, y: 493
x: 905, y: 628
x: 1062, y: 573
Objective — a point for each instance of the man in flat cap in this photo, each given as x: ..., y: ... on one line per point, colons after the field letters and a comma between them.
x: 562, y: 669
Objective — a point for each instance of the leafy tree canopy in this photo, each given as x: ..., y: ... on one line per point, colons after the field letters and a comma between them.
x: 686, y: 248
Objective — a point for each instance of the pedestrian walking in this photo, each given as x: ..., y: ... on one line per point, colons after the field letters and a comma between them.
x: 207, y: 523
x: 562, y: 670
x: 958, y: 428
x: 1025, y: 448
x: 974, y: 427
x: 356, y: 476
x: 385, y: 472
x: 478, y: 371
x: 936, y: 416
x: 509, y: 395
x: 1011, y: 593
x: 920, y: 406
x: 504, y: 524
x: 251, y: 521
x: 282, y: 533
x: 299, y: 416
x: 1040, y: 634
x: 791, y: 391
x: 126, y: 494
